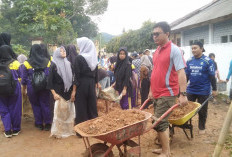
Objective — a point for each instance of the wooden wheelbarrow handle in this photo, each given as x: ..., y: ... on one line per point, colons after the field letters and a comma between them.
x: 160, y: 118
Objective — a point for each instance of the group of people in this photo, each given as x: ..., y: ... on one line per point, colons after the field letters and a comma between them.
x: 65, y: 75
x: 74, y: 77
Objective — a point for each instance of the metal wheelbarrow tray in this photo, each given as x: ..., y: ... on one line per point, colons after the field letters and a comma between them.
x: 116, y: 137
x: 186, y: 117
x: 121, y: 137
x: 186, y: 121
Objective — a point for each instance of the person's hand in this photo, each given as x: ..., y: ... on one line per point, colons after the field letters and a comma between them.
x: 113, y: 84
x: 214, y: 93
x: 220, y: 81
x: 99, y: 86
x: 73, y: 96
x: 56, y: 96
x: 150, y: 95
x: 123, y: 92
x: 183, y: 100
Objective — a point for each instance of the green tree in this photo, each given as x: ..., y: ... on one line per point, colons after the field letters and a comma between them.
x: 56, y: 21
x: 134, y: 40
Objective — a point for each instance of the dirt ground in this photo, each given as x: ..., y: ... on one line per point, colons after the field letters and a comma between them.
x: 34, y: 143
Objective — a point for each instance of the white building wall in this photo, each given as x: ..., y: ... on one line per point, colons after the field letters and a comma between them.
x: 222, y: 29
x: 223, y: 54
x: 196, y: 34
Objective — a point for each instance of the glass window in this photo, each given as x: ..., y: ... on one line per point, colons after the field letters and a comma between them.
x: 230, y: 38
x: 202, y: 41
x: 190, y: 42
x: 178, y: 41
x: 224, y: 39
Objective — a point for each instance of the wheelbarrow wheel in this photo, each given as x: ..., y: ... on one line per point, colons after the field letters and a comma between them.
x: 98, y: 150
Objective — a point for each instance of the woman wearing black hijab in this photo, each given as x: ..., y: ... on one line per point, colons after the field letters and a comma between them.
x: 5, y: 39
x: 10, y: 104
x: 123, y: 73
x: 71, y: 53
x: 45, y: 51
x: 39, y: 99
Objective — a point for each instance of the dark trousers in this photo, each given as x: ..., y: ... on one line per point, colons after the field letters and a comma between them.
x: 144, y: 91
x: 203, y: 112
x: 86, y: 101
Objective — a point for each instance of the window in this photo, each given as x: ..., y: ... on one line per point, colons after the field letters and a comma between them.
x: 190, y: 42
x: 178, y: 41
x: 224, y: 39
x: 230, y: 38
x: 202, y: 41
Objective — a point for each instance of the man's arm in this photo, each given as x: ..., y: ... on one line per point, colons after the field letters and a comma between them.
x: 183, y: 84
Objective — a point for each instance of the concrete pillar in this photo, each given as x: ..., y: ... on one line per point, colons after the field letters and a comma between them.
x: 182, y: 39
x: 210, y: 33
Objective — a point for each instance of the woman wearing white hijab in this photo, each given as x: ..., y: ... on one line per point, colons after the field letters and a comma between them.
x: 60, y: 75
x: 85, y: 81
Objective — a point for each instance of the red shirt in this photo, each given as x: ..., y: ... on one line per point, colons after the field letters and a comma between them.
x: 167, y: 60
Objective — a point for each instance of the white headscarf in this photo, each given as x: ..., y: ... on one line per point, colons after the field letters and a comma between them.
x: 88, y: 51
x: 63, y: 69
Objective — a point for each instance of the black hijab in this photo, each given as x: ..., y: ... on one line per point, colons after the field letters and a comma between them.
x: 6, y: 38
x: 121, y: 72
x: 5, y: 54
x: 45, y: 51
x: 71, y: 53
x: 36, y: 57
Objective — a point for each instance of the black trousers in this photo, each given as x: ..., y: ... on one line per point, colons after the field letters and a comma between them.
x: 86, y: 101
x: 203, y: 112
x: 144, y: 90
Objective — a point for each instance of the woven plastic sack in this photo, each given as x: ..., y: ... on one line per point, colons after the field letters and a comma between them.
x: 110, y: 94
x: 63, y: 120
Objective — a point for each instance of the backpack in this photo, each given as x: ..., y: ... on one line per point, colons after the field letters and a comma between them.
x: 39, y: 80
x: 7, y: 81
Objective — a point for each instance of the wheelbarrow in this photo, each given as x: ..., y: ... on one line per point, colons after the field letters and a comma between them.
x: 186, y: 121
x: 120, y: 137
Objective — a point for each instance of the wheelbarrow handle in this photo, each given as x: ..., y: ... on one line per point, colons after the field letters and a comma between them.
x: 203, y: 104
x: 162, y: 117
x: 144, y: 104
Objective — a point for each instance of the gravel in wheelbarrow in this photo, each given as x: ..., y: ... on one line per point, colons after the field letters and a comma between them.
x: 112, y: 121
x: 115, y: 127
x: 182, y: 114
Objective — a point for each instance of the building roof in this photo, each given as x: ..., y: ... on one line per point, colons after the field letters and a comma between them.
x: 211, y: 12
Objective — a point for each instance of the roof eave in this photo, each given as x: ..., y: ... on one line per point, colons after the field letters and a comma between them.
x: 212, y: 21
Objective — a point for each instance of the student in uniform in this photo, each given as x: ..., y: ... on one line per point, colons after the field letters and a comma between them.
x: 85, y: 81
x: 123, y: 73
x: 60, y: 75
x: 39, y: 99
x: 10, y: 103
